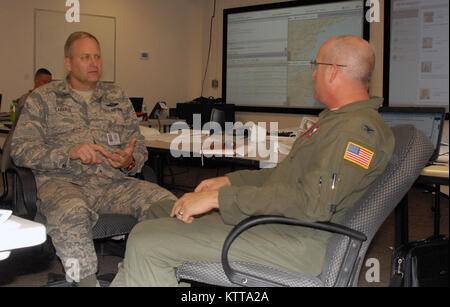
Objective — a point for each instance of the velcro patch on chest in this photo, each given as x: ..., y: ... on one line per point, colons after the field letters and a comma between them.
x: 358, y: 154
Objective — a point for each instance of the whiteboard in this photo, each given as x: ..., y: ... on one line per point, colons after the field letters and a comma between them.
x: 52, y: 30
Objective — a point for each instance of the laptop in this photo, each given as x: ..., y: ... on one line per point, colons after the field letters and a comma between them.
x: 430, y: 120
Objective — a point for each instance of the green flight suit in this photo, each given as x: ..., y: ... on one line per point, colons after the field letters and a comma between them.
x: 327, y: 170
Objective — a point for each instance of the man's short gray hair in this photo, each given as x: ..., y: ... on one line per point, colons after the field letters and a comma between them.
x: 72, y: 38
x: 354, y: 52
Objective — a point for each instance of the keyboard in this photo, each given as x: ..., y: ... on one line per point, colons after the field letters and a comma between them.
x: 284, y: 133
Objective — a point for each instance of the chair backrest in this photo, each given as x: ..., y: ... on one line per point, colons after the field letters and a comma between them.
x: 218, y: 116
x: 6, y: 159
x: 411, y: 153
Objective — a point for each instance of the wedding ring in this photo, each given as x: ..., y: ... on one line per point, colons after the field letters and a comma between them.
x: 180, y: 212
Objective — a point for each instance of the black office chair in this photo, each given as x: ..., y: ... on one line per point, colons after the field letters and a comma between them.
x: 217, y: 116
x: 350, y: 240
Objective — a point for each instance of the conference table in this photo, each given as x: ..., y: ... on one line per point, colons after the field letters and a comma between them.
x: 163, y: 124
x: 200, y: 145
x: 159, y: 146
x: 433, y: 177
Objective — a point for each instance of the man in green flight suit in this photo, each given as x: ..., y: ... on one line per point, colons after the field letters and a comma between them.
x: 327, y: 170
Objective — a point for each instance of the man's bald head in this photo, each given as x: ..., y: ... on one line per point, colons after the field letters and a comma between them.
x: 355, y: 53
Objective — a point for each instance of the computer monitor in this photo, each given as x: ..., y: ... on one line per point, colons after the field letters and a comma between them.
x: 416, y: 48
x: 137, y: 103
x: 267, y: 50
x: 427, y: 119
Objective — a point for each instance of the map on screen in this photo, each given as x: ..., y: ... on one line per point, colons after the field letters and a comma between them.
x: 268, y: 52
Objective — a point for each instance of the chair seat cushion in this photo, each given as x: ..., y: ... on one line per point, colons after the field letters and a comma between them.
x: 212, y: 273
x: 108, y: 225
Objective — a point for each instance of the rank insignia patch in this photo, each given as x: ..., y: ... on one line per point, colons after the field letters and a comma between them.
x: 358, y: 155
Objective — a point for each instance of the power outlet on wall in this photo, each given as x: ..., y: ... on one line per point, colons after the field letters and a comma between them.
x: 144, y: 55
x: 215, y: 83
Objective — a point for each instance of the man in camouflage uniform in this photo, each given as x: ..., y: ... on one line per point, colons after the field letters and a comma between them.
x: 327, y: 170
x: 81, y: 139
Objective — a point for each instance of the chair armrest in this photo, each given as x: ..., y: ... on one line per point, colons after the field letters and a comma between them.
x: 147, y: 174
x: 244, y: 279
x: 25, y: 190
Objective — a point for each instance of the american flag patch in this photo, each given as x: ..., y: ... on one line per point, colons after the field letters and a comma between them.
x: 358, y: 154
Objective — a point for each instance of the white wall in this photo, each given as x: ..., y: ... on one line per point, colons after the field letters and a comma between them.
x: 172, y: 31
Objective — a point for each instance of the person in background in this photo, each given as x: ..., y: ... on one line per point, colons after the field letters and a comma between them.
x: 41, y: 77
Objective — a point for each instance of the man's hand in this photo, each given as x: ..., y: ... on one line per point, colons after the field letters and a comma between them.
x: 191, y: 204
x: 122, y: 157
x: 213, y: 184
x: 87, y: 153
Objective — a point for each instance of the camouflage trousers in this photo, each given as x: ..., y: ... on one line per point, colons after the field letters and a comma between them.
x: 71, y: 211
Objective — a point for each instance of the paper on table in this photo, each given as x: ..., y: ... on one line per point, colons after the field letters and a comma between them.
x: 147, y: 131
x: 4, y: 215
x: 218, y: 152
x: 10, y: 225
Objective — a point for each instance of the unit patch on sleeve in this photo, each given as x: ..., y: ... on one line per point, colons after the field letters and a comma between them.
x: 310, y: 132
x: 358, y: 155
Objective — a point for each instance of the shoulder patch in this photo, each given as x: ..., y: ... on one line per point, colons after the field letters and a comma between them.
x: 311, y: 131
x: 359, y: 155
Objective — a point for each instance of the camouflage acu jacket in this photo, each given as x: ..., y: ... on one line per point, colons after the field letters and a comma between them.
x: 55, y: 118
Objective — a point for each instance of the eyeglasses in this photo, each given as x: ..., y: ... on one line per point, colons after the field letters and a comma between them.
x: 314, y: 64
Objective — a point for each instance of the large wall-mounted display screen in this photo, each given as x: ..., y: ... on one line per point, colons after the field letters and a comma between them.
x: 268, y: 49
x: 416, y: 53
